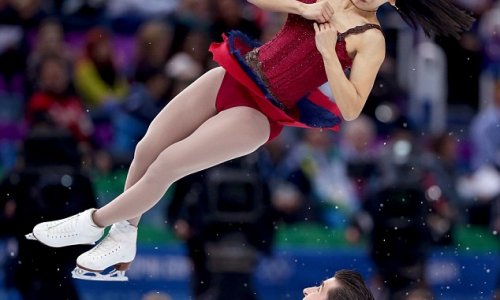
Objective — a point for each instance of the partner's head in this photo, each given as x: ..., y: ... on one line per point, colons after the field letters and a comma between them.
x: 344, y: 285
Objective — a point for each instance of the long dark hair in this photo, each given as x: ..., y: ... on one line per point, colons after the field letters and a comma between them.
x: 439, y: 17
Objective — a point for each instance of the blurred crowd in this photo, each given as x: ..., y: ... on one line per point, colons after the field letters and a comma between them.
x: 423, y: 159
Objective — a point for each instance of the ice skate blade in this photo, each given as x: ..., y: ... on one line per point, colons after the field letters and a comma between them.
x: 31, y: 236
x: 114, y: 275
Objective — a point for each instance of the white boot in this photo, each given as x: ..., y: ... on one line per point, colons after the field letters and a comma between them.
x: 74, y: 230
x: 117, y: 249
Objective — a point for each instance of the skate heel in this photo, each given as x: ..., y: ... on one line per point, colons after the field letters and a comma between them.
x: 122, y: 266
x: 116, y: 251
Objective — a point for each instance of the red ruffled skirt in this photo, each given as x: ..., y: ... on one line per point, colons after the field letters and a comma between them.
x: 314, y: 110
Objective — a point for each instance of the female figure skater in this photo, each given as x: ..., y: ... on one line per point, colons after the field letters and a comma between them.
x: 234, y: 109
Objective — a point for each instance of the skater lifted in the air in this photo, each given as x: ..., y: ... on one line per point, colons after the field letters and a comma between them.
x: 234, y: 109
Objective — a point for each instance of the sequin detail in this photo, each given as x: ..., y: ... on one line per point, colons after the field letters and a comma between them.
x: 284, y: 74
x: 252, y: 60
x: 239, y: 45
x: 290, y: 65
x: 313, y: 110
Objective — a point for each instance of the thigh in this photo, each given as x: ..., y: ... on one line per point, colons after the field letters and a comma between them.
x: 233, y: 94
x: 185, y: 113
x: 230, y: 134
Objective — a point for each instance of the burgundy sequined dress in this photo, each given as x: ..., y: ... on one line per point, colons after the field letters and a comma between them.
x: 283, y: 75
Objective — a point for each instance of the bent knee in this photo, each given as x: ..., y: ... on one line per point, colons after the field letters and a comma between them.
x: 144, y: 152
x: 216, y: 75
x: 217, y: 72
x: 211, y: 82
x: 164, y: 169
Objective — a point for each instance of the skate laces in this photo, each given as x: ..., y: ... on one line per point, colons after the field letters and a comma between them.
x: 106, y: 247
x: 65, y: 227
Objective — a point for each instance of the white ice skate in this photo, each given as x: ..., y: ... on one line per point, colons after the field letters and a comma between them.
x: 109, y: 260
x: 75, y: 230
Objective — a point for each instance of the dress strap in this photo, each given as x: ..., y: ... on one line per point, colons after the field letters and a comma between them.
x: 357, y: 30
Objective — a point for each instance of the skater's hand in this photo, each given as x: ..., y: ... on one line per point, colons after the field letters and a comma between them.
x: 321, y: 11
x: 326, y: 38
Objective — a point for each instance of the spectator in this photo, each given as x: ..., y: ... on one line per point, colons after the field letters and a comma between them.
x: 153, y: 42
x: 54, y: 101
x: 286, y: 197
x: 52, y: 8
x: 273, y: 24
x: 360, y: 152
x: 13, y: 54
x: 395, y: 218
x: 273, y: 156
x: 225, y: 217
x: 83, y: 14
x: 386, y: 92
x: 139, y: 108
x: 483, y: 189
x: 97, y: 78
x: 315, y: 167
x: 193, y: 13
x: 189, y: 63
x: 484, y: 134
x: 48, y: 184
x: 49, y: 42
x: 440, y: 182
x: 24, y: 13
x: 17, y: 19
x: 488, y: 28
x: 143, y: 9
x: 229, y: 15
x: 190, y: 15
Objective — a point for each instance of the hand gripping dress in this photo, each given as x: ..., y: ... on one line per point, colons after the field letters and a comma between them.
x: 281, y: 77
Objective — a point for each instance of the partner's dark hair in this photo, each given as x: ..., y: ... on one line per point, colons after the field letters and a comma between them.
x: 439, y: 17
x: 351, y: 287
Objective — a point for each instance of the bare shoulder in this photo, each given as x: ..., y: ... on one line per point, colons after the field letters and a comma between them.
x: 371, y: 44
x: 372, y: 39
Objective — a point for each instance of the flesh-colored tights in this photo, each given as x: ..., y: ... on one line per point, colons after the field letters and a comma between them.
x: 187, y: 136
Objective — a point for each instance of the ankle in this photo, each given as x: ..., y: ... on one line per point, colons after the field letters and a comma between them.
x: 134, y: 224
x: 94, y: 217
x: 126, y: 224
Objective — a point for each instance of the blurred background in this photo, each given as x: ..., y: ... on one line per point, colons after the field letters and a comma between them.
x: 408, y: 194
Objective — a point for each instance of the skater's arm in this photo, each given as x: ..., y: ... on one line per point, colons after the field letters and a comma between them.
x: 321, y: 11
x: 351, y: 93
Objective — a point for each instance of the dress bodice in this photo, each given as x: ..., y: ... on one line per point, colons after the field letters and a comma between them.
x: 291, y: 63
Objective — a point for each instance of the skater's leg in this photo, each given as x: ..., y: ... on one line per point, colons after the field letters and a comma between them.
x: 180, y: 117
x: 231, y: 133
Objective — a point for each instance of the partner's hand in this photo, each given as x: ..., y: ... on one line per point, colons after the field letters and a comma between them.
x: 320, y: 11
x: 326, y: 38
